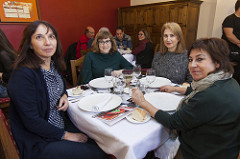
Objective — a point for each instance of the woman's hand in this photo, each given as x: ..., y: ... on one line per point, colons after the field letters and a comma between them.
x: 63, y: 103
x: 137, y: 96
x: 77, y: 137
x: 167, y: 88
x: 116, y: 73
x: 170, y: 89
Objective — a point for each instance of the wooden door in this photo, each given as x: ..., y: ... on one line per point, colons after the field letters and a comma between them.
x: 160, y: 17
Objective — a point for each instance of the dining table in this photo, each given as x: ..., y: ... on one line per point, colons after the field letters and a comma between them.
x: 124, y: 139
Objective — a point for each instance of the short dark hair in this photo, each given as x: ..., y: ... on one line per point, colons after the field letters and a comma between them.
x: 27, y: 56
x: 237, y: 5
x: 218, y: 50
x: 119, y: 28
x: 100, y: 36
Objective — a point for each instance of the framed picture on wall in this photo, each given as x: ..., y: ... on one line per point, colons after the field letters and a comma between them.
x: 18, y: 11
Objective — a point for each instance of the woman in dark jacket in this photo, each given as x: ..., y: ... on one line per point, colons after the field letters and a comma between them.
x: 144, y: 50
x: 39, y: 101
x: 207, y: 118
x: 7, y: 57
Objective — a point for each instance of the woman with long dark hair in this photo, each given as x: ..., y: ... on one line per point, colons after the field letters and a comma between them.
x: 7, y: 57
x: 39, y: 123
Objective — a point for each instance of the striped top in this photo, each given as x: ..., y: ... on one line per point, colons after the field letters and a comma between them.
x: 55, y: 88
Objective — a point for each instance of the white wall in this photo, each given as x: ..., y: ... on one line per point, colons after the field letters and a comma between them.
x: 141, y: 2
x: 223, y: 9
x: 212, y: 14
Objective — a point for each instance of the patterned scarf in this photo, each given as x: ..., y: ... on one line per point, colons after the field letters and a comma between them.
x: 198, y: 86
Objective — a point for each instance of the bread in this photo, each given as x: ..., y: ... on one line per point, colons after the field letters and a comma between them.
x: 139, y: 114
x: 77, y: 91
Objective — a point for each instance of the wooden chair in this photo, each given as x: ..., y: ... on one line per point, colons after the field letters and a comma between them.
x: 6, y: 139
x: 75, y: 68
x: 4, y: 102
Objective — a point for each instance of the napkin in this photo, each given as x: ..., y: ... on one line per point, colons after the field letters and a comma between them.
x: 100, y: 105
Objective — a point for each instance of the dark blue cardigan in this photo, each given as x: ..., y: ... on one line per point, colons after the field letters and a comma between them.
x: 29, y: 111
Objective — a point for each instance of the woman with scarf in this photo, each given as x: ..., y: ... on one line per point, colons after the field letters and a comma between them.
x: 144, y: 50
x: 207, y: 119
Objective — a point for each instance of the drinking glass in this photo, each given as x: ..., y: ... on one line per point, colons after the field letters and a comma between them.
x: 137, y: 71
x: 119, y: 85
x: 108, y: 76
x: 128, y: 75
x: 150, y: 76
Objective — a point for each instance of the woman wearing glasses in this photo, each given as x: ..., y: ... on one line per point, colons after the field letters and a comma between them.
x: 104, y: 55
x: 144, y: 50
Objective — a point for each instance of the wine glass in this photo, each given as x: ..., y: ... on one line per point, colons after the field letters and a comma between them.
x: 150, y: 76
x: 108, y: 76
x: 137, y: 71
x: 128, y: 75
x: 119, y: 85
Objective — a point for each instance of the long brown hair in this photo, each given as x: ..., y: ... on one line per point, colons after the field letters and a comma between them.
x: 27, y: 56
x: 146, y: 33
x: 5, y: 45
x: 177, y: 31
x: 104, y: 35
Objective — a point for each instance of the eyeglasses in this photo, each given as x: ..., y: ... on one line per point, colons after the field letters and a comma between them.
x: 140, y: 34
x: 104, y: 42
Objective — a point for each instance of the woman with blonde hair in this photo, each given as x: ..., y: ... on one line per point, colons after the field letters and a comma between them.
x: 172, y: 61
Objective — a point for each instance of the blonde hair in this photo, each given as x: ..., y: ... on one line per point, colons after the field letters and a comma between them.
x: 177, y: 31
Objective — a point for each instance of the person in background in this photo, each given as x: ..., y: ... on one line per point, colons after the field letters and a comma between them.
x: 7, y: 57
x: 77, y: 50
x: 172, y: 60
x: 39, y: 122
x: 207, y: 118
x: 83, y: 41
x: 123, y: 40
x: 91, y: 40
x: 231, y: 33
x: 144, y: 50
x: 104, y: 55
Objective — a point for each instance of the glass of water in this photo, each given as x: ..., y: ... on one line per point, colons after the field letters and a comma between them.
x: 150, y: 76
x: 119, y: 85
x: 108, y: 76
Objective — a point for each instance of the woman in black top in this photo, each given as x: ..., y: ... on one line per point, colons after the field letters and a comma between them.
x: 7, y: 57
x: 144, y: 50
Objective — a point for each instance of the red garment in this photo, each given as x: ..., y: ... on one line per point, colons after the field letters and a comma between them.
x: 141, y: 46
x: 81, y: 45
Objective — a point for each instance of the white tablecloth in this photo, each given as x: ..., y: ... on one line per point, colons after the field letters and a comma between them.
x: 124, y: 140
x: 128, y: 56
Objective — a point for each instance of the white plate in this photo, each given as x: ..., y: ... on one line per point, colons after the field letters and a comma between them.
x: 163, y: 101
x: 87, y: 103
x: 100, y: 83
x: 70, y: 93
x: 159, y: 81
x: 130, y: 119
